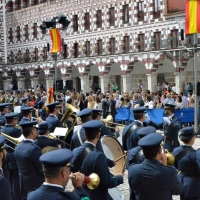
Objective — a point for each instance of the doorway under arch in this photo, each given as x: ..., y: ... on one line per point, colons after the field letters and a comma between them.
x: 27, y: 80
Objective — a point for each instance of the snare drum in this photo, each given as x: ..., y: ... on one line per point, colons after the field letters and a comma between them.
x: 113, y: 150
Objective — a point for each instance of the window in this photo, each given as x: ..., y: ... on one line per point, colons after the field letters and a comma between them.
x: 87, y: 48
x: 156, y: 9
x: 12, y: 57
x: 126, y: 44
x: 36, y: 54
x: 26, y: 4
x: 141, y: 11
x: 36, y: 2
x: 112, y: 45
x: 99, y: 19
x: 76, y: 50
x: 11, y: 35
x: 35, y: 30
x: 75, y: 21
x: 26, y: 32
x: 174, y: 39
x: 99, y: 44
x: 45, y: 53
x: 87, y: 21
x: 65, y: 51
x: 19, y: 4
x: 157, y: 36
x: 141, y: 42
x: 26, y: 56
x: 18, y: 33
x: 112, y: 16
x: 126, y: 13
x: 20, y: 56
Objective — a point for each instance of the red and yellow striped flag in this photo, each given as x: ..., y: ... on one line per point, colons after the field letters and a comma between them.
x: 192, y: 17
x: 56, y: 40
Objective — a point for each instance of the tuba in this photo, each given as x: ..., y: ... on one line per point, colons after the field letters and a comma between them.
x: 70, y: 112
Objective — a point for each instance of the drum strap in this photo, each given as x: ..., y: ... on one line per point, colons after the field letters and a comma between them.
x: 82, y: 157
x: 183, y: 153
x: 138, y: 156
x: 130, y: 130
x: 79, y: 137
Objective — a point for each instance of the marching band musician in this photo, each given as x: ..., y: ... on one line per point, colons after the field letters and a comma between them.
x: 27, y: 155
x: 88, y: 159
x: 96, y: 115
x: 41, y: 111
x: 27, y: 114
x: 171, y: 125
x: 129, y: 137
x: 25, y: 104
x: 11, y: 130
x: 62, y: 107
x: 186, y: 163
x: 6, y: 96
x: 3, y: 112
x: 5, y: 189
x: 10, y: 100
x: 16, y: 99
x: 56, y: 171
x: 2, y: 97
x: 153, y: 179
x: 43, y: 141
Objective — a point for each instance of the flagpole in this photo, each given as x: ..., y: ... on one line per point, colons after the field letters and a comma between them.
x: 196, y: 102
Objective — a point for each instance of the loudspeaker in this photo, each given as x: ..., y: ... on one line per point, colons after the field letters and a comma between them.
x: 69, y: 84
x: 59, y: 85
x: 198, y: 89
x: 182, y: 34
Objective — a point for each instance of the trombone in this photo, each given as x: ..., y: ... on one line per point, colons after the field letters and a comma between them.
x: 55, y: 138
x: 109, y: 120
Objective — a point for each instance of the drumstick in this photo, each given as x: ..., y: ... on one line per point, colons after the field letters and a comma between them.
x: 121, y: 157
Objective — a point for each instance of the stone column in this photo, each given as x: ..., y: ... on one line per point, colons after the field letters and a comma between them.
x: 104, y: 80
x: 127, y: 82
x: 21, y: 83
x: 152, y: 82
x: 179, y: 80
x: 85, y: 84
x: 49, y: 82
x: 34, y: 82
x: 6, y: 84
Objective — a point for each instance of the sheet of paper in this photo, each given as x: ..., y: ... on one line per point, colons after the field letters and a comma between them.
x: 59, y: 131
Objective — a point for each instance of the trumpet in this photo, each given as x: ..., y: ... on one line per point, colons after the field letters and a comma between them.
x: 92, y: 181
x: 15, y: 141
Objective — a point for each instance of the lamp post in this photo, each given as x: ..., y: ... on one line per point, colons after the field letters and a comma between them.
x: 56, y: 41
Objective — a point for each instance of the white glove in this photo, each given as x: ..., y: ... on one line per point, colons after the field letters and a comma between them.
x: 147, y: 117
x: 166, y: 119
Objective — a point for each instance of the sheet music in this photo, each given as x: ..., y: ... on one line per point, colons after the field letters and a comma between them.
x: 59, y: 131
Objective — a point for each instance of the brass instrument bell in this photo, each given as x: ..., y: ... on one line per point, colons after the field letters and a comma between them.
x: 170, y: 158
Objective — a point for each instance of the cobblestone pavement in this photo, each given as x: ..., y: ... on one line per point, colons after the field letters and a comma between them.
x: 124, y: 188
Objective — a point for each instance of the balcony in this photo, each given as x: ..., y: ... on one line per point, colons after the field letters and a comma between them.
x: 174, y: 7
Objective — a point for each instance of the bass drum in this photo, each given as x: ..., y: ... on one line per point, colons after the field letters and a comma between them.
x: 113, y: 150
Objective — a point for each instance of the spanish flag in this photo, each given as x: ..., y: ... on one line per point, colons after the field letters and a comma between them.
x: 56, y: 40
x: 192, y: 17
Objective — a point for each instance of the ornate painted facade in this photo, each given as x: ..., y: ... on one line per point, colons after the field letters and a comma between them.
x: 122, y: 41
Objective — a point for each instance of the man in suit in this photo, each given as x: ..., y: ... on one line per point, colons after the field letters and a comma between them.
x: 153, y: 179
x: 43, y: 141
x: 27, y: 155
x: 3, y: 112
x: 85, y: 103
x: 171, y: 125
x: 112, y: 108
x: 10, y: 130
x: 56, y: 165
x: 27, y: 114
x: 88, y: 160
x: 186, y: 160
x: 129, y: 137
x: 5, y: 189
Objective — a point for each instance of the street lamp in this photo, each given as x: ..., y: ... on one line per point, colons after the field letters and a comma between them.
x: 56, y: 41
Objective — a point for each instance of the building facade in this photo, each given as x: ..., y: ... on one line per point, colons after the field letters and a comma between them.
x: 108, y: 41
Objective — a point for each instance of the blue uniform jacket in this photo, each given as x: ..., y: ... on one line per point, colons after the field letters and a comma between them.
x: 25, y: 119
x: 55, y: 193
x: 96, y: 162
x: 42, y: 113
x: 13, y: 132
x: 133, y: 139
x: 43, y: 141
x: 152, y: 180
x: 2, y: 120
x: 5, y: 189
x: 53, y: 122
x: 75, y: 143
x: 31, y: 176
x: 170, y: 133
x: 189, y: 175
